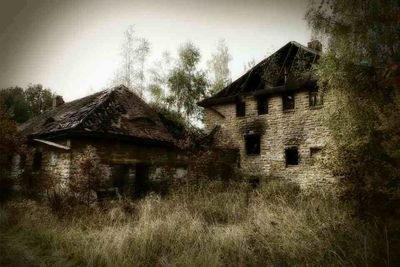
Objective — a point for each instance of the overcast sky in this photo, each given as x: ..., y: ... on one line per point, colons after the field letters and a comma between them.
x: 73, y: 46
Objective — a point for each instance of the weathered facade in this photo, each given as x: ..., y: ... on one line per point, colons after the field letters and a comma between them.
x: 273, y: 115
x: 130, y: 138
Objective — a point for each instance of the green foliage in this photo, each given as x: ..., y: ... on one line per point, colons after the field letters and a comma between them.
x: 11, y: 142
x: 13, y: 100
x: 219, y: 66
x: 38, y: 98
x: 89, y: 176
x: 207, y: 224
x: 188, y: 85
x: 360, y: 70
x: 23, y: 104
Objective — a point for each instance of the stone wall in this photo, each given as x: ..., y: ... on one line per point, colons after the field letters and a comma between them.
x: 279, y: 129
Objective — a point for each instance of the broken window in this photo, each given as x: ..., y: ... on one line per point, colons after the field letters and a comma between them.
x: 262, y: 105
x: 292, y: 156
x: 288, y: 101
x: 240, y: 109
x: 315, y: 98
x: 252, y: 142
x: 37, y: 161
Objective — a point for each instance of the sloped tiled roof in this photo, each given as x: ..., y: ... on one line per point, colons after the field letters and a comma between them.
x: 293, y: 60
x: 117, y: 112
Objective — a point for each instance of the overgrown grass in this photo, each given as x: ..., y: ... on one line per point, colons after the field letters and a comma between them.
x: 209, y: 224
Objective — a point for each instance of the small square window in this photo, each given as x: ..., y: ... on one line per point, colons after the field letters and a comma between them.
x: 288, y: 101
x: 252, y: 144
x: 240, y: 109
x: 315, y: 98
x: 315, y: 151
x: 292, y: 156
x: 262, y: 105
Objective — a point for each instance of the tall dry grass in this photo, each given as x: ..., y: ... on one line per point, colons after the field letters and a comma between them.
x: 208, y: 224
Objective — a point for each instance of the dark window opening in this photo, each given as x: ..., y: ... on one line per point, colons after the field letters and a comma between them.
x: 22, y: 161
x: 252, y: 144
x: 315, y: 98
x: 292, y: 156
x: 314, y: 151
x: 288, y: 101
x: 37, y: 161
x: 120, y: 178
x: 142, y: 183
x: 240, y: 109
x: 262, y: 105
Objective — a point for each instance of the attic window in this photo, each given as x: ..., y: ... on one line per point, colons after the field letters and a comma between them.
x: 292, y: 156
x: 252, y: 142
x: 240, y: 109
x: 288, y: 101
x: 315, y: 98
x: 315, y: 151
x: 262, y: 105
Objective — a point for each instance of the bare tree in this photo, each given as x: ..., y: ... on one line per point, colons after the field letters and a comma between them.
x: 134, y: 52
x: 219, y: 66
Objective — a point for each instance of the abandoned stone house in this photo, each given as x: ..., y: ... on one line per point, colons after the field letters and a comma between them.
x: 129, y: 136
x: 272, y: 114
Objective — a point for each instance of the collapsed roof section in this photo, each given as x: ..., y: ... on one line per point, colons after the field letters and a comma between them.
x: 116, y: 112
x: 289, y: 68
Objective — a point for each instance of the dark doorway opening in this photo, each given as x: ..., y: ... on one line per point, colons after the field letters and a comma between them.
x: 142, y: 184
x: 120, y: 178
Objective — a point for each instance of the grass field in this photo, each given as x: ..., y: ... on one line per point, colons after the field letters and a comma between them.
x: 208, y: 224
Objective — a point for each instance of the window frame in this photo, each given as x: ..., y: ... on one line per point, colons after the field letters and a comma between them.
x: 288, y: 157
x: 248, y: 150
x: 285, y: 105
x: 240, y: 109
x: 262, y: 105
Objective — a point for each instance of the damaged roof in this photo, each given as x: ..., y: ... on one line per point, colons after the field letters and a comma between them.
x: 289, y: 68
x: 116, y: 112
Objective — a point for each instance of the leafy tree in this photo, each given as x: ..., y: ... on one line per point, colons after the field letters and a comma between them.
x: 360, y: 70
x: 10, y: 143
x: 187, y: 83
x: 90, y: 175
x: 134, y: 52
x: 158, y: 86
x: 219, y: 66
x: 14, y: 102
x: 39, y: 99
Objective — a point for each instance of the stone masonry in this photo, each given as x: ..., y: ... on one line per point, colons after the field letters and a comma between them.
x: 278, y: 129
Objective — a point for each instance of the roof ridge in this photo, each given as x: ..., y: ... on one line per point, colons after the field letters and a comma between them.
x: 107, y: 94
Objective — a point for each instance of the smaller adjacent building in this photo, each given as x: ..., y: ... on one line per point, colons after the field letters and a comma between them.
x: 129, y: 136
x: 273, y: 115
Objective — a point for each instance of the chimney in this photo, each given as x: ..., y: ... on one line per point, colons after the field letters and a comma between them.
x: 57, y: 101
x: 315, y: 44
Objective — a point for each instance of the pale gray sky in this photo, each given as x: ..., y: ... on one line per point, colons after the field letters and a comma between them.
x: 72, y: 46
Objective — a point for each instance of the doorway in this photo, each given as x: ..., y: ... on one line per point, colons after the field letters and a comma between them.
x: 142, y: 184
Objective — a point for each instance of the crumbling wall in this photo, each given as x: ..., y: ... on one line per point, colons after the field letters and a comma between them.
x: 301, y: 127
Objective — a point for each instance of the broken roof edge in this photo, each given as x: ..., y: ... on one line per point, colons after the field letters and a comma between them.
x: 53, y: 144
x: 208, y: 102
x: 215, y: 99
x: 111, y: 136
